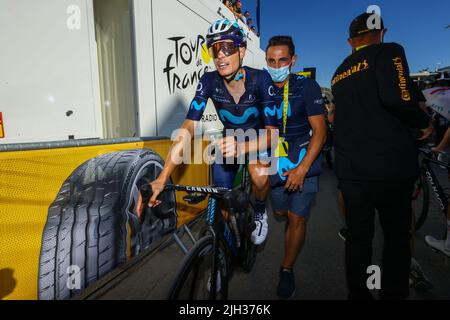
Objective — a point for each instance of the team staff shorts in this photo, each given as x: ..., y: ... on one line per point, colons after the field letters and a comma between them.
x: 299, y: 202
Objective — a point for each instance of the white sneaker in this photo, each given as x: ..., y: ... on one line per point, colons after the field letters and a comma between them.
x: 438, y: 245
x: 262, y: 227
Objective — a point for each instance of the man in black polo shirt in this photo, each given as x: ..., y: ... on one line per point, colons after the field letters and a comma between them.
x: 376, y: 159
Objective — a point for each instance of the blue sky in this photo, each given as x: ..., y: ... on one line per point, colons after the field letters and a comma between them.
x: 320, y: 30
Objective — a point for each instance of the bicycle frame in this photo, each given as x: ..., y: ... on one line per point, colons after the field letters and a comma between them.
x: 225, y: 234
x: 213, y: 218
x: 217, y: 224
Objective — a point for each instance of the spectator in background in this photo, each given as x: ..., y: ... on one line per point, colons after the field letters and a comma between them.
x: 376, y: 158
x: 238, y: 9
x: 246, y: 17
x: 228, y: 4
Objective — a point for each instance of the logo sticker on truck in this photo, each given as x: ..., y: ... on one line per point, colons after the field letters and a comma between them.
x: 187, y: 62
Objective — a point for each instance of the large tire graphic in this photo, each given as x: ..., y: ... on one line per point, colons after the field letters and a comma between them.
x: 92, y: 225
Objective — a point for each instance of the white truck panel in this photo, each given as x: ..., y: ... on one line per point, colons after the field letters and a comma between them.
x: 145, y: 67
x: 49, y: 66
x: 47, y: 69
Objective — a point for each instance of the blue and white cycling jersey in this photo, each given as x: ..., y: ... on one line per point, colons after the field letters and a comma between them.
x: 305, y: 100
x: 248, y: 113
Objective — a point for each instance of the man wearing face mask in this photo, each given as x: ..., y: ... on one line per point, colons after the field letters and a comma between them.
x: 376, y: 159
x: 299, y: 108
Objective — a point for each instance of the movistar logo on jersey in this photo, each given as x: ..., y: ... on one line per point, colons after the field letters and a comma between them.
x: 284, y: 164
x: 199, y: 107
x: 277, y: 111
x: 227, y: 116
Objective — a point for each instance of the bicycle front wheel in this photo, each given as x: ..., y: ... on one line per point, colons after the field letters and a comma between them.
x: 420, y: 201
x: 194, y: 279
x: 248, y: 250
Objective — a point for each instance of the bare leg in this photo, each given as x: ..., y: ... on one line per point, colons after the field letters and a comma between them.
x: 294, y: 239
x: 260, y: 180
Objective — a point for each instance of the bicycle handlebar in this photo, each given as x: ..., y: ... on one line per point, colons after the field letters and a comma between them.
x: 234, y: 199
x: 203, y: 190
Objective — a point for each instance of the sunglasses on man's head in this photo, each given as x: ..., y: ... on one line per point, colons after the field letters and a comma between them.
x: 227, y: 48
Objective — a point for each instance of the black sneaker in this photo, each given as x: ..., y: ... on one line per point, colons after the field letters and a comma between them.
x: 417, y: 279
x: 286, y: 285
x: 343, y: 234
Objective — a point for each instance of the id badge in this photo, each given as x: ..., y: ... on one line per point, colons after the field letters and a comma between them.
x: 282, y: 149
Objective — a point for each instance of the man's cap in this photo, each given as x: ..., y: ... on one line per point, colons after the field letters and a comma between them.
x: 364, y: 23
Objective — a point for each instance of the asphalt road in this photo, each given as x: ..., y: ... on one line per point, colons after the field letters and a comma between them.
x: 319, y: 270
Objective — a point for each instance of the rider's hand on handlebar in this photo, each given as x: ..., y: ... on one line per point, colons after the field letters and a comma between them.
x: 157, y: 187
x: 426, y: 133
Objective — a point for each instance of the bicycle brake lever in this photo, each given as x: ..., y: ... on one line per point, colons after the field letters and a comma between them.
x: 146, y: 193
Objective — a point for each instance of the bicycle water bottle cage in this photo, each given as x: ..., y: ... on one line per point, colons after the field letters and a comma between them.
x: 194, y: 198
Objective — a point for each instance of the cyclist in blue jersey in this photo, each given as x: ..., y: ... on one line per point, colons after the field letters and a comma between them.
x: 240, y: 95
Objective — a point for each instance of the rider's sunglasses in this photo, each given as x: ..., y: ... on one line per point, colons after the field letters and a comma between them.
x: 227, y: 48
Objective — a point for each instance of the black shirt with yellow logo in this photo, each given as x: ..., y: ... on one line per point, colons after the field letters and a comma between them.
x: 375, y: 110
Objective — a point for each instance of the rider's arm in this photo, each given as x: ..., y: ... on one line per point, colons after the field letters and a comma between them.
x: 184, y: 136
x: 315, y: 109
x: 182, y: 139
x: 319, y: 136
x: 181, y: 143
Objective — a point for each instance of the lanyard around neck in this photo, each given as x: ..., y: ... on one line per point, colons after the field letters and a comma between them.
x: 286, y: 105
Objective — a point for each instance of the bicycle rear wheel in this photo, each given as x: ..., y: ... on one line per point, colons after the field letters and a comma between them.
x: 193, y: 280
x: 420, y: 201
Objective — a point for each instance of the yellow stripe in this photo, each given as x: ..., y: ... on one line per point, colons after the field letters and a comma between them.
x: 29, y: 183
x: 286, y: 106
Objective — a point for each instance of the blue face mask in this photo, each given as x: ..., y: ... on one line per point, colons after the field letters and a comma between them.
x: 279, y: 75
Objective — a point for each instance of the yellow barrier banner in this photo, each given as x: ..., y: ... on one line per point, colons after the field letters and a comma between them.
x: 73, y: 211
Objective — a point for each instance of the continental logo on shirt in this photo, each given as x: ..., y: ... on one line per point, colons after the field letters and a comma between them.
x: 361, y: 66
x: 398, y: 62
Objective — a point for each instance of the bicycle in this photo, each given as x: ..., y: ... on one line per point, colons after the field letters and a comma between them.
x: 221, y: 244
x: 421, y: 193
